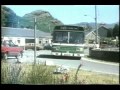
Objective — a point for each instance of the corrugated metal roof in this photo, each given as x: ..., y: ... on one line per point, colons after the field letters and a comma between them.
x: 22, y: 32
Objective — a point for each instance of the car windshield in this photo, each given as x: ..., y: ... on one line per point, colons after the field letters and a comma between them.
x: 8, y: 43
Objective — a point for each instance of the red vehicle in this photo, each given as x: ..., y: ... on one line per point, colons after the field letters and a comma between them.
x: 8, y: 48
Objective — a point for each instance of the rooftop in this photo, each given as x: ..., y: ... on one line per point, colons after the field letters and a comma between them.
x: 23, y: 32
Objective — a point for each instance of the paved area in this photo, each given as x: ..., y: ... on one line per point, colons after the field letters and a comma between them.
x: 44, y: 56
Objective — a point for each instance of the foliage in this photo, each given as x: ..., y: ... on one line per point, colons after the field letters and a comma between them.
x: 109, y: 33
x: 9, y: 18
x: 116, y: 30
x: 88, y: 27
x: 45, y: 21
x: 41, y: 74
x: 3, y: 19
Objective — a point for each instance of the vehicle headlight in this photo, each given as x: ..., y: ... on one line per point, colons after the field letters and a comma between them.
x: 56, y: 48
x: 79, y: 49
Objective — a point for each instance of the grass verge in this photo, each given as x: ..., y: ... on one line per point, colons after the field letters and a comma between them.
x: 42, y: 74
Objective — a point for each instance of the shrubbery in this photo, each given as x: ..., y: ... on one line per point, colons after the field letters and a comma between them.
x: 41, y: 74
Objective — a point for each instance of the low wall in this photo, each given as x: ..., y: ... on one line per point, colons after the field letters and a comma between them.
x: 112, y: 56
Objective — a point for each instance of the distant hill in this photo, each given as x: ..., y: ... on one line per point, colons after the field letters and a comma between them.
x: 45, y: 21
x: 8, y: 17
x: 92, y: 24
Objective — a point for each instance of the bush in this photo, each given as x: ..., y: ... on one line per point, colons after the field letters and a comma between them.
x: 30, y: 74
x: 26, y: 74
x: 41, y: 74
x: 11, y: 74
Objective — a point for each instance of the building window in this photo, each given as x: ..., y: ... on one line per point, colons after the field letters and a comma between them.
x: 40, y: 42
x: 29, y: 40
x: 18, y: 41
x: 10, y: 40
x: 91, y: 41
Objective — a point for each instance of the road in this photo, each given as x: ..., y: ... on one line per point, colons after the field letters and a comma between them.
x: 87, y: 63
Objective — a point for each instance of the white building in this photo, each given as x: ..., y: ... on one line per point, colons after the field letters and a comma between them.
x: 25, y: 37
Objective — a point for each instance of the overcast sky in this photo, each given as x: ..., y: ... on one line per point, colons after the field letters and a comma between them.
x: 71, y: 14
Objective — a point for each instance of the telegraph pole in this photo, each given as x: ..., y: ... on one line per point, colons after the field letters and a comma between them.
x: 49, y: 28
x: 35, y: 40
x: 18, y: 24
x: 96, y: 24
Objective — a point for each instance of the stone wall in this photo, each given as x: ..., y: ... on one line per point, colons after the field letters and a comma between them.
x: 112, y: 56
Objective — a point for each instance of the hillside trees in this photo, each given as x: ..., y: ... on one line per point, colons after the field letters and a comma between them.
x: 8, y: 17
x: 116, y: 30
x: 88, y: 27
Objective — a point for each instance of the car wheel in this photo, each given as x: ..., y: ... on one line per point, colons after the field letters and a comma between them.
x: 5, y: 56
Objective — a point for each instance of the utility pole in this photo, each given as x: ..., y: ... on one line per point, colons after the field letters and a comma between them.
x: 18, y: 23
x: 49, y: 28
x: 35, y: 40
x: 96, y: 25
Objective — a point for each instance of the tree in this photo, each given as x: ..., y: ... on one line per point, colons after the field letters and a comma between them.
x: 9, y: 18
x: 3, y: 17
x: 109, y: 33
x: 88, y: 27
x: 116, y: 30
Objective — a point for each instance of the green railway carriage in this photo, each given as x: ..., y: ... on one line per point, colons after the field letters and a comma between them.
x: 68, y: 41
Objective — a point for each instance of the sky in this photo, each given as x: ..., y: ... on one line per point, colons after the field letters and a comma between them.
x: 72, y: 14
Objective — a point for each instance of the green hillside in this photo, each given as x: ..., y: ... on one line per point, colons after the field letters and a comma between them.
x: 45, y: 22
x: 8, y: 17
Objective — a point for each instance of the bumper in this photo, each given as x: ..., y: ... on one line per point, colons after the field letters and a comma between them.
x: 67, y: 54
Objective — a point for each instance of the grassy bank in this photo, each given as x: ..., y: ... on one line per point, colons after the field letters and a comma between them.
x: 41, y: 74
